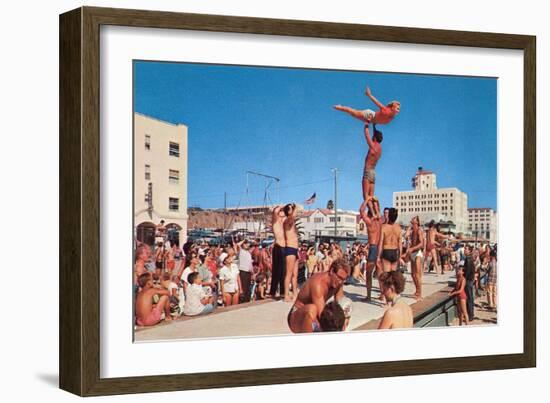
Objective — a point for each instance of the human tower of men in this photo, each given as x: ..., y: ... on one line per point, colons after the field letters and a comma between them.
x: 310, y: 311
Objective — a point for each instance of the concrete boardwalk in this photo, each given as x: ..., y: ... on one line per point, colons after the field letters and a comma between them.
x: 269, y: 317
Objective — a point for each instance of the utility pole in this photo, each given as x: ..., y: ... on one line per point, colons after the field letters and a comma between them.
x: 224, y: 213
x: 335, y: 172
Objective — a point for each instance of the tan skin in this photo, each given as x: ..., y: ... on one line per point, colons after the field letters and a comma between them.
x: 313, y: 297
x: 374, y: 154
x: 433, y: 237
x: 139, y: 267
x: 277, y: 220
x: 459, y: 288
x: 144, y: 301
x: 417, y: 243
x: 291, y: 240
x: 396, y: 107
x: 228, y: 298
x: 373, y: 232
x: 390, y: 238
x: 398, y: 315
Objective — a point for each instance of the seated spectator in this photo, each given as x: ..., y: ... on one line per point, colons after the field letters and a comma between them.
x: 148, y: 310
x: 196, y: 300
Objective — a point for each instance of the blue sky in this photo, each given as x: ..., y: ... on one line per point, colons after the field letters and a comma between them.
x: 280, y: 122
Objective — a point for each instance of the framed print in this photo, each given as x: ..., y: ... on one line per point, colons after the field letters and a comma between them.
x: 236, y: 195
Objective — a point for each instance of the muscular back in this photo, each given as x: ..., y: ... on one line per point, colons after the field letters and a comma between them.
x: 392, y: 236
x: 373, y: 232
x: 315, y: 287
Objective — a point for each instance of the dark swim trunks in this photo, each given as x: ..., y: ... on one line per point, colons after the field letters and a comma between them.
x: 390, y: 255
x: 373, y: 253
x: 289, y: 251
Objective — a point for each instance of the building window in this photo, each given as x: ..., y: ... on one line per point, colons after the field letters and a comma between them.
x: 318, y: 219
x: 173, y: 176
x: 147, y: 172
x: 173, y: 204
x: 174, y: 149
x: 147, y: 142
x: 146, y: 198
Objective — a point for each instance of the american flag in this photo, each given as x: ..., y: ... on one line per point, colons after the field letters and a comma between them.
x: 311, y: 200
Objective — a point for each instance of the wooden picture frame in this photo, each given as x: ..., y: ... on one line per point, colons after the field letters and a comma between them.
x: 79, y: 346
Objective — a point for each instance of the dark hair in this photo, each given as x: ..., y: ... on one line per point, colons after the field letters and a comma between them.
x: 286, y: 209
x: 395, y: 279
x: 162, y: 221
x: 386, y: 208
x: 192, y: 277
x: 339, y: 264
x: 431, y: 224
x: 143, y: 279
x: 260, y: 278
x: 377, y: 136
x: 332, y: 318
x: 392, y: 216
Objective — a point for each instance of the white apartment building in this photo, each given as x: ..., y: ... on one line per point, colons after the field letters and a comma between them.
x: 321, y: 222
x: 160, y: 177
x: 482, y: 223
x: 429, y: 202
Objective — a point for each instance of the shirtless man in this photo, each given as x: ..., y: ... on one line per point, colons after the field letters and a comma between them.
x: 147, y: 312
x: 160, y: 232
x: 399, y: 314
x: 291, y: 252
x: 307, y: 309
x: 414, y: 251
x: 389, y: 246
x: 432, y: 244
x: 369, y: 174
x: 373, y: 232
x: 277, y: 255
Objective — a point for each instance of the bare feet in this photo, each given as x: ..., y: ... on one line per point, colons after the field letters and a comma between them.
x: 168, y: 318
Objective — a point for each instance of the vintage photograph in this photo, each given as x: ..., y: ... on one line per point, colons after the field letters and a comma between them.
x: 274, y: 200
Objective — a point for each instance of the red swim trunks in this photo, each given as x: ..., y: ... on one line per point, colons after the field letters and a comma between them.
x: 153, y: 318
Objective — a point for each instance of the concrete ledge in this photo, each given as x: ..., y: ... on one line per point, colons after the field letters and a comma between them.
x: 427, y: 311
x: 218, y: 310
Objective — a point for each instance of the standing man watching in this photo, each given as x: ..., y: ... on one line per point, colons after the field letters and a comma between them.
x: 291, y: 252
x: 415, y: 252
x: 245, y: 267
x: 277, y: 255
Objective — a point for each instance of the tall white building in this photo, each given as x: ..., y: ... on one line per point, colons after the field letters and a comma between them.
x: 482, y: 223
x: 160, y: 177
x: 429, y: 202
x: 321, y: 222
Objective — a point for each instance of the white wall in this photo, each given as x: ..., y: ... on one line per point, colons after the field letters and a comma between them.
x: 29, y: 93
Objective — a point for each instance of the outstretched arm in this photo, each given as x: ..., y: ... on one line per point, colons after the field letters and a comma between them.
x: 363, y: 214
x: 370, y: 142
x: 373, y: 99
